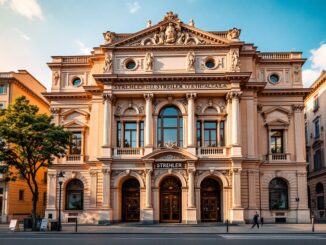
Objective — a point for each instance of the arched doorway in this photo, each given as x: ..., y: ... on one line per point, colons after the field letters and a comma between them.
x: 130, y: 201
x: 170, y: 200
x: 210, y: 193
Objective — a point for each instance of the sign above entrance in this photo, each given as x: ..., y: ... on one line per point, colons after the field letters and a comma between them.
x: 170, y: 165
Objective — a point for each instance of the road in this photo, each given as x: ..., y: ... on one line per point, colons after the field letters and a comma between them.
x: 158, y: 239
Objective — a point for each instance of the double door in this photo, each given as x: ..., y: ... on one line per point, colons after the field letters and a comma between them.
x: 170, y: 208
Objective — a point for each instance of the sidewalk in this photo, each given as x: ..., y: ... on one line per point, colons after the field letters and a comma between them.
x: 181, y: 228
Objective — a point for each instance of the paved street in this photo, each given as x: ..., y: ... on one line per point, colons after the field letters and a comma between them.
x: 99, y: 239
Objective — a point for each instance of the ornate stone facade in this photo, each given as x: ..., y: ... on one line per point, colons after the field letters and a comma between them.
x: 181, y: 120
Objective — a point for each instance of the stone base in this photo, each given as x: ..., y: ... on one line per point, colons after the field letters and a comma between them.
x: 236, y: 151
x: 106, y: 152
x: 148, y: 216
x: 236, y: 216
x: 304, y: 216
x: 105, y: 216
x: 191, y: 216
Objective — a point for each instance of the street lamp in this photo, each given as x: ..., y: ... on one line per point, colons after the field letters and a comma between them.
x: 60, y: 180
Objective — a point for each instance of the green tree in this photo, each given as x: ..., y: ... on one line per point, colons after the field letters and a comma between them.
x: 29, y: 141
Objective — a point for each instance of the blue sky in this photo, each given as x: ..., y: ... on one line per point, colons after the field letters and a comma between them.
x: 34, y: 30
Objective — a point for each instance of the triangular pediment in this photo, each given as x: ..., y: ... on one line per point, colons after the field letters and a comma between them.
x: 169, y: 32
x: 170, y: 155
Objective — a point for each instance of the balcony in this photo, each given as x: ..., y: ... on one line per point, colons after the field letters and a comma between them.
x: 128, y: 152
x: 211, y: 152
x: 278, y: 157
x: 75, y: 158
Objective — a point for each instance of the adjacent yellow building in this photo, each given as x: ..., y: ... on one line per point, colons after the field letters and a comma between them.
x: 15, y: 197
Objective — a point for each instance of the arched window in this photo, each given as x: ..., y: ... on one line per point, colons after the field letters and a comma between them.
x: 169, y: 127
x: 320, y: 196
x: 74, y: 195
x: 278, y: 194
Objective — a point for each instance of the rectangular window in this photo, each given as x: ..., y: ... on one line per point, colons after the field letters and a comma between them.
x: 119, y: 134
x: 76, y: 141
x: 222, y: 133
x: 21, y: 195
x: 210, y: 132
x: 45, y: 177
x: 316, y: 104
x: 198, y: 133
x: 2, y: 89
x: 276, y: 141
x: 141, y: 134
x: 318, y: 159
x: 44, y: 198
x: 317, y: 128
x: 130, y: 132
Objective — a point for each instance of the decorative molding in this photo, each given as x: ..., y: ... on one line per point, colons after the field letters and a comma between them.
x: 148, y: 97
x: 297, y: 107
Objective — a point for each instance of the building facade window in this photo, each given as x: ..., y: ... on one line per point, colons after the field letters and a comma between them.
x: 278, y: 194
x: 2, y: 89
x: 276, y: 141
x: 130, y: 135
x: 198, y: 133
x: 320, y: 196
x: 74, y: 195
x: 210, y: 133
x: 141, y: 134
x: 119, y: 134
x: 170, y: 127
x: 317, y: 128
x: 318, y: 159
x: 316, y: 104
x: 76, y: 143
x: 21, y: 195
x: 222, y: 133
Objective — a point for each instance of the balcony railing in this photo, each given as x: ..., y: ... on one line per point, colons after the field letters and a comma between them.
x: 75, y: 158
x: 280, y: 55
x: 278, y: 157
x: 211, y: 151
x: 128, y: 152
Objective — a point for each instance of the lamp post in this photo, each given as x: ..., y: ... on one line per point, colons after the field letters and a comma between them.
x: 60, y: 180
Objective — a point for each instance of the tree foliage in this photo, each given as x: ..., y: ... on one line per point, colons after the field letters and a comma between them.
x: 29, y: 141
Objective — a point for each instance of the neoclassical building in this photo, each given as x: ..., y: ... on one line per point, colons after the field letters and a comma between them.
x: 176, y: 124
x: 315, y: 113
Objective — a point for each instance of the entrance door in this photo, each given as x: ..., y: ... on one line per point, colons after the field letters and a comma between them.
x: 170, y: 200
x: 130, y: 201
x: 210, y: 201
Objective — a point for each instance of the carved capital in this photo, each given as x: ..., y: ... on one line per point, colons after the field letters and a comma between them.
x: 259, y: 107
x: 55, y: 110
x: 191, y: 170
x: 109, y: 98
x: 93, y: 173
x: 297, y: 108
x: 233, y: 95
x: 106, y: 170
x: 148, y: 97
x: 149, y: 171
x: 236, y: 171
x: 191, y: 96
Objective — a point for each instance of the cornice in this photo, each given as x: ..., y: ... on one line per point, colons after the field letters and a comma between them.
x: 288, y: 91
x: 66, y: 95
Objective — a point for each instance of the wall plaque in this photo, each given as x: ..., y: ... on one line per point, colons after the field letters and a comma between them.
x: 170, y: 165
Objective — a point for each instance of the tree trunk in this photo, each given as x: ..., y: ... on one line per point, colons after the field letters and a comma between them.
x: 35, y: 199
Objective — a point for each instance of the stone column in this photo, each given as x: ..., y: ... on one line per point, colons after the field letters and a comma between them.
x: 236, y: 188
x: 106, y: 187
x: 107, y: 125
x: 148, y: 122
x: 191, y: 188
x: 56, y: 117
x: 191, y: 119
x: 299, y: 132
x: 250, y: 128
x: 51, y: 191
x: 149, y: 188
x: 93, y: 188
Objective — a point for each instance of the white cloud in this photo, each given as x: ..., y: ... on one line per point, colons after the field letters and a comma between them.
x: 82, y: 48
x: 318, y: 59
x: 22, y: 34
x: 133, y: 7
x: 26, y: 8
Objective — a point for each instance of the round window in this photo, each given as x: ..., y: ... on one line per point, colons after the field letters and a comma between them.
x: 274, y: 78
x: 76, y: 82
x: 130, y: 64
x: 210, y: 63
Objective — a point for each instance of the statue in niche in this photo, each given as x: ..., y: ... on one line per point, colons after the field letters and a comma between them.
x: 56, y: 77
x: 108, y: 64
x: 170, y: 34
x: 149, y: 61
x: 235, y: 61
x: 191, y: 59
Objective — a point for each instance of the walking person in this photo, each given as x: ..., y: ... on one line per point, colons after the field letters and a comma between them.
x: 256, y: 218
x: 262, y: 221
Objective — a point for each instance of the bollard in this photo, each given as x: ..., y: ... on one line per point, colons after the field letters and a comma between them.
x: 313, y: 223
x: 227, y: 226
x: 76, y: 226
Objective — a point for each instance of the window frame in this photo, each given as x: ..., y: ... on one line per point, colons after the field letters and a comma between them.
x: 4, y: 86
x: 210, y: 130
x: 80, y: 191
x: 130, y: 133
x: 76, y: 146
x: 278, y: 191
x: 276, y: 144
